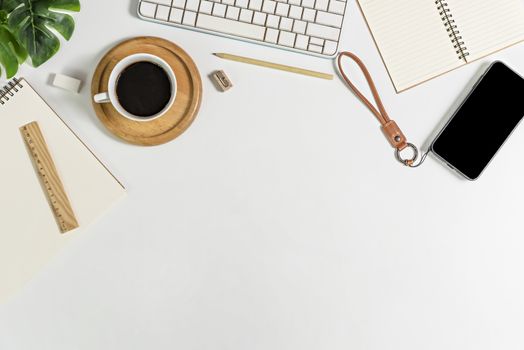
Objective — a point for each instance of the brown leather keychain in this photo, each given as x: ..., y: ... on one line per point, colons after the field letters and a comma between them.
x: 390, y: 128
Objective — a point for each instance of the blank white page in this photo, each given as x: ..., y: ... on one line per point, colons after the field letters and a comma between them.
x: 411, y: 38
x: 29, y: 234
x: 488, y: 25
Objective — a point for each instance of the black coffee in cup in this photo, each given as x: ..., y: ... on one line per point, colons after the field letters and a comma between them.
x: 144, y: 89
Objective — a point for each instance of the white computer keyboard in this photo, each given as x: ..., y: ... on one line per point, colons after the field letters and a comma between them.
x: 310, y: 26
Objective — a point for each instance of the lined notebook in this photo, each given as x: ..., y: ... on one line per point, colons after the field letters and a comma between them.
x: 29, y: 234
x: 422, y: 39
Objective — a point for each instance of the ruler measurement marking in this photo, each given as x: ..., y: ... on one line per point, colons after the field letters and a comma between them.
x: 54, y: 189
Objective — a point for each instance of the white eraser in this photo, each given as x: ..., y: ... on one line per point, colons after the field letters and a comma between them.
x: 67, y: 83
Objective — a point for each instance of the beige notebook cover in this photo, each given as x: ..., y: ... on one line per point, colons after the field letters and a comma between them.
x: 422, y: 39
x: 29, y: 234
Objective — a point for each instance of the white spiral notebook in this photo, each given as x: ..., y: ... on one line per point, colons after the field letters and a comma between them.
x: 422, y: 39
x: 29, y: 234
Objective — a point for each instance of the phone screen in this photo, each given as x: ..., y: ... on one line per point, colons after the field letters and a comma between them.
x: 484, y: 121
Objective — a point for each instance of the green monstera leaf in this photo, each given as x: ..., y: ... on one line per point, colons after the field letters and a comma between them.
x: 9, y: 5
x: 11, y: 53
x: 32, y: 22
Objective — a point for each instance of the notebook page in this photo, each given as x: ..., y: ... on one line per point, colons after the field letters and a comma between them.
x: 411, y: 38
x: 488, y: 25
x: 29, y: 234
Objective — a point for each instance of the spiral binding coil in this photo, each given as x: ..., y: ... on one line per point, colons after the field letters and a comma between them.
x: 9, y: 90
x: 452, y: 29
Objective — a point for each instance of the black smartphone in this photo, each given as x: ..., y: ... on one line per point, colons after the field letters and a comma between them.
x: 483, y: 122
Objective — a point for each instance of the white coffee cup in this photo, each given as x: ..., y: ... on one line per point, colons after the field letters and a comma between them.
x: 111, y: 96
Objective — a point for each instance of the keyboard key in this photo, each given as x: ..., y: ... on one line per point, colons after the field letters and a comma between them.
x: 189, y: 18
x: 163, y: 2
x: 295, y: 2
x: 242, y: 3
x: 286, y: 24
x: 269, y: 6
x: 308, y: 3
x: 321, y: 5
x: 299, y: 27
x: 255, y: 5
x: 271, y: 35
x: 282, y: 9
x: 330, y: 47
x: 148, y: 9
x: 295, y: 12
x: 308, y: 15
x: 176, y: 15
x: 181, y: 4
x: 321, y: 31
x: 272, y: 21
x: 246, y: 16
x: 229, y: 2
x: 206, y: 7
x: 232, y: 12
x: 228, y: 26
x: 337, y: 7
x: 162, y: 13
x: 286, y: 39
x: 259, y: 18
x: 219, y: 10
x: 329, y: 19
x: 301, y: 42
x: 192, y: 5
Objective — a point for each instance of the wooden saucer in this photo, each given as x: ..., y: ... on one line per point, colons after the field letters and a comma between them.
x: 181, y: 114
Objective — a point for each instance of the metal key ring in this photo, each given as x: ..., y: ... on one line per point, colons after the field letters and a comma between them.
x: 409, y: 161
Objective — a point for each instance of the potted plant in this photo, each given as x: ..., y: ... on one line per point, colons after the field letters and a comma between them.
x: 29, y: 28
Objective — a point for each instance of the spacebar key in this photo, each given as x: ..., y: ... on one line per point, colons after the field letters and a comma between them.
x: 227, y: 26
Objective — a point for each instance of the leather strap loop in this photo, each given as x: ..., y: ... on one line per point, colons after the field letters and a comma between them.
x: 391, y: 130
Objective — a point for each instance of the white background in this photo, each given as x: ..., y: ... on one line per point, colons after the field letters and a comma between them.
x: 280, y: 219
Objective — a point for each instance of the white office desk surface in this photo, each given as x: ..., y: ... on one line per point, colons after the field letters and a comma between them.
x: 280, y: 219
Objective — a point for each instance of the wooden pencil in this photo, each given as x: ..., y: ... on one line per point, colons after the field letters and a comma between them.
x: 272, y: 65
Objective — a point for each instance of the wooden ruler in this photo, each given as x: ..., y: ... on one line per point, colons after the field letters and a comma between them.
x: 51, y: 182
